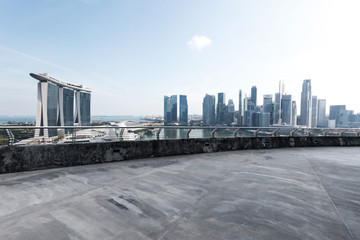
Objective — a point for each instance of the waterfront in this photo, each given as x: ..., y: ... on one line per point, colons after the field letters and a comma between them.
x: 17, y: 119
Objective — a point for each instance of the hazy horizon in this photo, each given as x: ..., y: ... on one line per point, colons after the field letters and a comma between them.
x: 132, y: 53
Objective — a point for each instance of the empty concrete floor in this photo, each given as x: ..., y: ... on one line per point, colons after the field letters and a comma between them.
x: 301, y: 193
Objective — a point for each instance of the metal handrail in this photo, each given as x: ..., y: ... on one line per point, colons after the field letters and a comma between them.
x: 231, y: 131
x: 213, y: 133
x: 169, y: 127
x: 235, y: 128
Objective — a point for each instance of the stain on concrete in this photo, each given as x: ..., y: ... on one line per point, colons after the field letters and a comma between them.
x: 298, y: 193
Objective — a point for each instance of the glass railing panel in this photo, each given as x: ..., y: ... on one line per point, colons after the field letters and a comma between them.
x: 201, y: 133
x: 4, y: 139
x: 25, y: 134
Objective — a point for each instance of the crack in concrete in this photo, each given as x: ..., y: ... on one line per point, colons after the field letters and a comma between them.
x: 215, y: 187
x: 327, y: 194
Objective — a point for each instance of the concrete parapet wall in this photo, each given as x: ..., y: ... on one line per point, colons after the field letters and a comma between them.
x: 34, y: 157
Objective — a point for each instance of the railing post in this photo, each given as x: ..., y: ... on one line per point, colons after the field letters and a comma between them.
x: 156, y: 130
x: 188, y: 133
x: 293, y: 131
x: 310, y: 132
x: 236, y: 131
x: 213, y: 133
x: 325, y: 133
x: 274, y: 132
x: 158, y: 134
x: 116, y: 132
x: 121, y: 133
x: 11, y: 137
x: 74, y: 135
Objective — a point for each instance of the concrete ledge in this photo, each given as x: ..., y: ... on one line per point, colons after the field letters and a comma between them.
x: 34, y: 157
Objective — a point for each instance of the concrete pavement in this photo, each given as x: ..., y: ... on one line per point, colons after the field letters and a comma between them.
x: 298, y: 193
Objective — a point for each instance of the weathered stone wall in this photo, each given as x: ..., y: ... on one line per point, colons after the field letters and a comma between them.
x: 33, y: 157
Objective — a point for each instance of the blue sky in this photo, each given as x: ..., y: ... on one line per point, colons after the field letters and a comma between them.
x: 132, y: 53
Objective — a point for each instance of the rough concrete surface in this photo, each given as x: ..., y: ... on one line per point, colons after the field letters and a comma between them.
x: 294, y: 193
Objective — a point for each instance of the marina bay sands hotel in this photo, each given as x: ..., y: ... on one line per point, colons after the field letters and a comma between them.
x: 55, y: 105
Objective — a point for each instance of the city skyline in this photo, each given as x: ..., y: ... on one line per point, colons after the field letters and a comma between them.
x: 278, y: 111
x: 142, y: 50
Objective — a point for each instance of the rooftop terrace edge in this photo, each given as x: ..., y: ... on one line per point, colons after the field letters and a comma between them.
x: 36, y: 157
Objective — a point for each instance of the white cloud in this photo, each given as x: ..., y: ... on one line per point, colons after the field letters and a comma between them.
x: 199, y: 42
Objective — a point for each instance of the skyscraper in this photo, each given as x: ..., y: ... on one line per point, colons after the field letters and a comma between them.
x: 82, y: 108
x: 321, y: 120
x: 314, y: 111
x: 49, y: 92
x: 267, y: 102
x: 306, y: 106
x: 209, y: 110
x: 277, y: 108
x: 250, y: 118
x: 277, y: 104
x: 183, y: 110
x: 241, y: 109
x: 268, y: 106
x: 254, y: 95
x: 170, y: 109
x: 343, y: 119
x: 167, y: 110
x: 245, y: 104
x: 264, y: 119
x: 335, y: 114
x: 286, y: 111
x: 220, y: 108
x: 229, y: 115
x: 55, y: 105
x: 67, y: 107
x: 294, y: 113
x: 250, y: 105
x: 231, y: 106
x: 173, y: 103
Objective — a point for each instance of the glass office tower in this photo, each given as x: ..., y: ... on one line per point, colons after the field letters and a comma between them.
x: 85, y: 108
x: 220, y: 109
x: 82, y: 108
x: 209, y: 110
x: 314, y: 111
x: 173, y: 110
x: 286, y: 111
x: 52, y: 107
x: 254, y: 95
x: 321, y: 113
x: 68, y: 108
x: 306, y: 106
x: 294, y: 113
x: 167, y: 108
x: 335, y: 113
x: 183, y: 110
x: 241, y: 109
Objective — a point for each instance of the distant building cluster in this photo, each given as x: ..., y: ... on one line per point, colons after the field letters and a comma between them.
x: 171, y: 110
x: 276, y: 111
x: 250, y: 113
x: 55, y: 105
